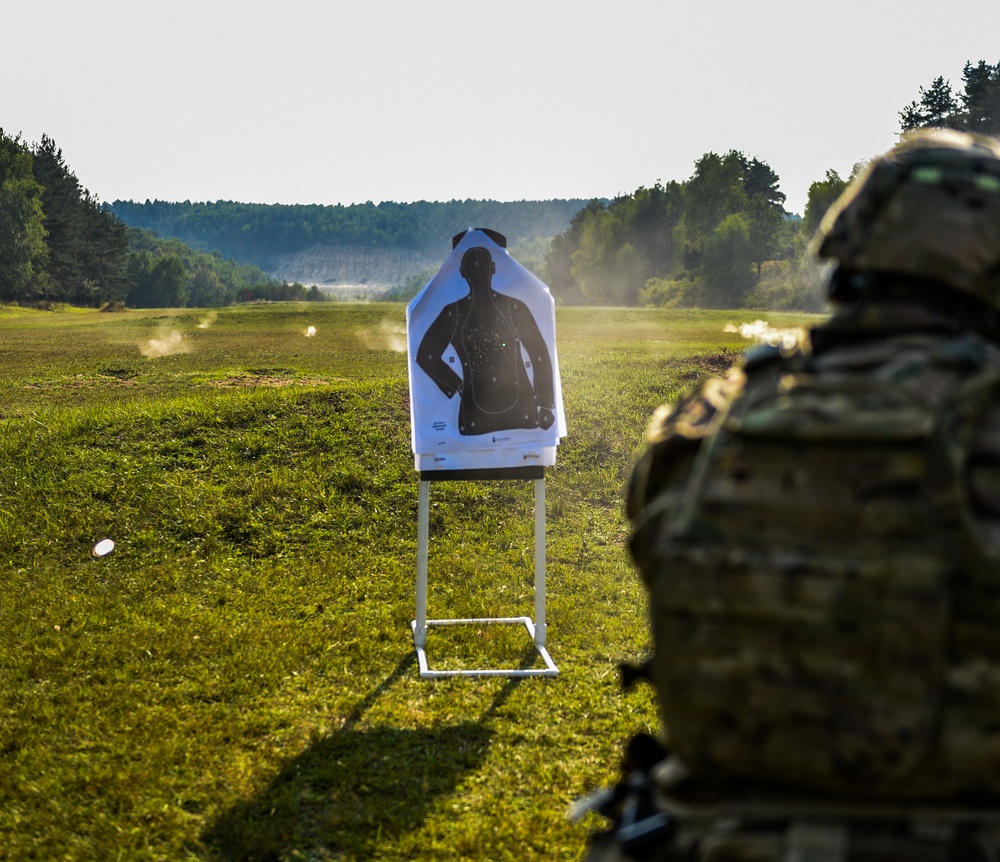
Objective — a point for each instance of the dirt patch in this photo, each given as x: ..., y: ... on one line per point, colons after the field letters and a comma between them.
x: 706, y: 365
x: 270, y: 381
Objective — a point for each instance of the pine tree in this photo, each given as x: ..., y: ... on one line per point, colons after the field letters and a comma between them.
x: 981, y: 98
x: 22, y: 233
x: 88, y: 246
x: 977, y: 109
x: 937, y: 108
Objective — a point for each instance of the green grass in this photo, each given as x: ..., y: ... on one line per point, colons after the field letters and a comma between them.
x: 236, y: 680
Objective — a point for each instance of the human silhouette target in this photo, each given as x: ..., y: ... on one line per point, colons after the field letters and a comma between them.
x: 483, y: 374
x: 506, y: 379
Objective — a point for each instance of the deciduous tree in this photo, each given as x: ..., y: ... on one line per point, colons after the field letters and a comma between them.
x: 714, y: 192
x: 160, y: 283
x: 820, y: 197
x: 727, y: 260
x: 765, y: 209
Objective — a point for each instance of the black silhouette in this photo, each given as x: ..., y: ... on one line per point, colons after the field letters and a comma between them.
x: 497, y: 341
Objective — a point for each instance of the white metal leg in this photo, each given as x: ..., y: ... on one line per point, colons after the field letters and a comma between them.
x: 423, y: 530
x: 535, y: 628
x: 539, y: 562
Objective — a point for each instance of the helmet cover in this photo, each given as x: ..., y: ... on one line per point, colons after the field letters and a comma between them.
x: 928, y: 208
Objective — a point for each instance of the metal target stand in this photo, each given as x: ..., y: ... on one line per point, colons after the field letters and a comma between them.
x: 535, y: 628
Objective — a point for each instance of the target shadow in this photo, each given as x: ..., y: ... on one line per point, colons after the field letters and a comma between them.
x: 354, y: 785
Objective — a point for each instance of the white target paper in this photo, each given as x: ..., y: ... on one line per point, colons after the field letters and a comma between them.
x: 484, y: 378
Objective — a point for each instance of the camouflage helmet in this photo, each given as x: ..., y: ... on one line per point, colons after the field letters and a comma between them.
x: 928, y: 208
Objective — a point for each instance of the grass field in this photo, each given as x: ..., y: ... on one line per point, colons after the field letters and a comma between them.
x: 236, y: 680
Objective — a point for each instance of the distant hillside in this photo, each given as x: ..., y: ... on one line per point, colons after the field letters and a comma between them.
x: 376, y: 266
x: 362, y: 244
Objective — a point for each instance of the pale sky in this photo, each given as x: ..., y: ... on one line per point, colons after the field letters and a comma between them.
x: 329, y: 101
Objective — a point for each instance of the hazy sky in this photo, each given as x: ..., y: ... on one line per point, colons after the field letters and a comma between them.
x: 328, y: 101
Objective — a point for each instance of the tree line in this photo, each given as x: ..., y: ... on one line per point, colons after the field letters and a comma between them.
x: 975, y: 109
x: 167, y: 273
x: 55, y: 241
x: 703, y: 242
x: 262, y: 233
x: 723, y: 238
x: 59, y: 244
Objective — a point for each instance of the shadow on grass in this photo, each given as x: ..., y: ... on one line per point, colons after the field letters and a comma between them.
x: 353, y: 786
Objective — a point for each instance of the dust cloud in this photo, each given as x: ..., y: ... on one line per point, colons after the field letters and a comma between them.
x: 394, y: 334
x: 387, y: 336
x: 165, y: 344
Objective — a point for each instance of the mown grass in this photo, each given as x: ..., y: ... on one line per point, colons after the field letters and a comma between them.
x: 236, y: 680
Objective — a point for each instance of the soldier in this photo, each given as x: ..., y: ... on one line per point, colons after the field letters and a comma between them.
x: 819, y: 535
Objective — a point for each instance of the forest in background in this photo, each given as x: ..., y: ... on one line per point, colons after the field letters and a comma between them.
x: 722, y: 238
x: 59, y: 244
x: 261, y: 233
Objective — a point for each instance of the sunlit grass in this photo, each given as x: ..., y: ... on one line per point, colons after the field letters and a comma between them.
x: 236, y: 680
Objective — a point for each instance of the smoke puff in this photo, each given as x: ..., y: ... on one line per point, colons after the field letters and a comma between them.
x: 761, y: 330
x: 173, y: 342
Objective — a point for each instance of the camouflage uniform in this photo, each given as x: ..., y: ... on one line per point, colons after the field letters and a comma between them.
x: 819, y: 533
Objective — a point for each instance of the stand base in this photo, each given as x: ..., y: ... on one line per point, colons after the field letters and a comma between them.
x: 428, y: 673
